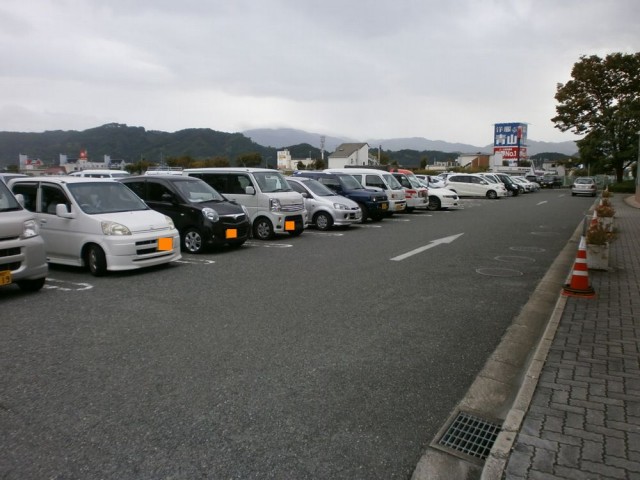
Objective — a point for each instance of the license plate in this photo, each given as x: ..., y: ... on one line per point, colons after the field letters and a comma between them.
x: 5, y: 277
x: 385, y: 206
x: 165, y: 244
x: 231, y: 233
x: 289, y: 225
x: 399, y: 207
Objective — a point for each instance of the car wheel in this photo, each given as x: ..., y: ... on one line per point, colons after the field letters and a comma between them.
x: 492, y: 194
x: 434, y: 203
x: 96, y: 260
x: 323, y: 221
x: 192, y: 241
x: 365, y: 212
x: 31, y: 285
x: 262, y: 229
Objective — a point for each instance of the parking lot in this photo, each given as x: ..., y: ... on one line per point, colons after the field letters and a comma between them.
x: 334, y: 354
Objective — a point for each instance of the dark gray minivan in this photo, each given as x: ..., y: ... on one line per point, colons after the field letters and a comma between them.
x: 202, y: 215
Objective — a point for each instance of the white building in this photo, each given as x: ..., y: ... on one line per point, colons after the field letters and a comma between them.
x: 285, y: 162
x: 350, y: 155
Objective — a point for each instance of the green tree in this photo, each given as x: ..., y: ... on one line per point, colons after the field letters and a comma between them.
x: 602, y: 102
x: 249, y: 160
x: 424, y: 161
x: 318, y: 164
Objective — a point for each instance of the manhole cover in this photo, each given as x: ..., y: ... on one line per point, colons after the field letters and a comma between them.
x: 527, y: 249
x: 470, y: 435
x: 515, y: 259
x: 499, y: 272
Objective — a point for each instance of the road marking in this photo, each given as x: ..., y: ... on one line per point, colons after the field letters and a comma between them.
x: 541, y: 203
x: 74, y: 286
x: 367, y: 225
x: 427, y: 247
x: 397, y: 220
x: 195, y: 261
x: 267, y: 244
x: 325, y: 234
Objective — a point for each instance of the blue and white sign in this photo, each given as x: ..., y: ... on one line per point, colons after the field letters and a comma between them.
x: 510, y: 135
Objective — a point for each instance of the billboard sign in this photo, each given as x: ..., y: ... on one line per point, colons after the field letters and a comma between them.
x: 510, y: 141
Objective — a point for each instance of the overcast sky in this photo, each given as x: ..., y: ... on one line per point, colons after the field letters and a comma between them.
x: 445, y: 70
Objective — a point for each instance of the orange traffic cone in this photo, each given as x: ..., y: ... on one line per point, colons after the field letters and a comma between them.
x: 579, y: 286
x: 594, y: 220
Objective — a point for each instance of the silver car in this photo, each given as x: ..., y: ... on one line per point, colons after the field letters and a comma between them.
x: 326, y: 209
x: 584, y: 186
x: 22, y: 253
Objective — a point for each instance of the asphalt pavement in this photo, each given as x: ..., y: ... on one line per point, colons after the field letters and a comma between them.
x: 577, y: 415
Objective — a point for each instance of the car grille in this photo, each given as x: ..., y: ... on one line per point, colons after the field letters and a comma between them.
x: 294, y: 207
x: 234, y: 219
x: 13, y: 266
x: 9, y: 252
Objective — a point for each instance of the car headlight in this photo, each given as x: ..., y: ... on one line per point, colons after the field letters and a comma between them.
x: 340, y: 206
x: 30, y: 229
x: 274, y: 205
x: 114, y: 228
x: 170, y: 222
x: 210, y: 214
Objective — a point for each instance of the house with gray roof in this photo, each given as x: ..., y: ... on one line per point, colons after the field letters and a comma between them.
x: 350, y: 155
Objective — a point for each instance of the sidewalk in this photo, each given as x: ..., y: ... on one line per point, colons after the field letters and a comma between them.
x: 583, y: 421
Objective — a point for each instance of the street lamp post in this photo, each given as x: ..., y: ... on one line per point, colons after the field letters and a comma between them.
x: 638, y: 172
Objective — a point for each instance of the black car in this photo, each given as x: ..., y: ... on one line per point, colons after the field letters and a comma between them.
x: 374, y: 204
x: 510, y: 185
x: 551, y: 181
x: 202, y: 215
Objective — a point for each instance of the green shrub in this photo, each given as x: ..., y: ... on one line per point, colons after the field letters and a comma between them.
x: 628, y: 186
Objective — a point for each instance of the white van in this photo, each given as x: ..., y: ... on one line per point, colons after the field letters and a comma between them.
x: 272, y: 204
x: 373, y: 178
x: 22, y: 258
x: 100, y: 173
x: 97, y: 222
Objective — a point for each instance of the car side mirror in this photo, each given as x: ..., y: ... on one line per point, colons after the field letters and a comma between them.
x: 61, y: 211
x: 249, y: 190
x: 20, y: 199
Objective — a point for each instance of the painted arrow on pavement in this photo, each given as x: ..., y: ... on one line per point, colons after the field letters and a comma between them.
x: 432, y: 244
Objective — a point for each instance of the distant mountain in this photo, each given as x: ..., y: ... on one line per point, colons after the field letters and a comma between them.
x: 285, y: 137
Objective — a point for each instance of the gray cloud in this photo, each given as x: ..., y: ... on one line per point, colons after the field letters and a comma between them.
x: 440, y: 70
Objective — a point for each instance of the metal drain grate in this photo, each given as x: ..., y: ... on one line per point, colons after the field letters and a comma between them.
x: 470, y: 435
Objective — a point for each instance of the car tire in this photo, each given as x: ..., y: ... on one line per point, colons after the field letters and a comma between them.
x: 96, y: 261
x: 323, y: 221
x: 192, y: 241
x: 365, y: 212
x: 263, y: 229
x: 434, y: 203
x: 31, y: 285
x: 492, y: 194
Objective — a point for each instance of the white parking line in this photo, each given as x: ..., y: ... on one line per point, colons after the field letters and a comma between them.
x: 541, y: 203
x: 66, y: 286
x: 195, y: 261
x: 267, y: 244
x: 324, y: 234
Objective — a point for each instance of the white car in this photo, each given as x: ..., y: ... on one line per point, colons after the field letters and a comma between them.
x: 473, y: 185
x: 325, y: 208
x: 97, y: 222
x: 441, y: 198
x: 100, y: 173
x: 528, y: 185
x: 431, y: 181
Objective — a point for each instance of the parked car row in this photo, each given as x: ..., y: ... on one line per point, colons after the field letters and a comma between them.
x: 129, y: 222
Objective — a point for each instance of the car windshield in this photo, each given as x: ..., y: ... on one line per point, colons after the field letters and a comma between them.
x: 391, y: 181
x: 270, y: 182
x: 105, y: 197
x: 198, y: 191
x: 349, y: 182
x: 318, y: 188
x: 7, y: 200
x: 414, y: 181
